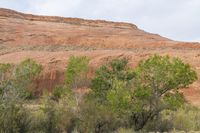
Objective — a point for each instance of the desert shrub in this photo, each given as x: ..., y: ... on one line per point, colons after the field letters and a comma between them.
x: 161, y: 123
x: 96, y: 119
x: 76, y: 72
x: 4, y: 70
x: 5, y: 73
x: 54, y: 116
x: 186, y: 119
x: 59, y: 92
x: 14, y: 118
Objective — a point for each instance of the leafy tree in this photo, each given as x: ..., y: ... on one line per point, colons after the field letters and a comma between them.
x: 110, y: 98
x: 76, y: 72
x: 156, y: 87
x: 24, y: 74
x: 106, y: 75
x: 141, y: 94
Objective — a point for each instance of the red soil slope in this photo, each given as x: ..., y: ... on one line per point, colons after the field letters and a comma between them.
x: 52, y: 40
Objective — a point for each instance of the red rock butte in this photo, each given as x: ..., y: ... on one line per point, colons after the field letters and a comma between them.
x: 51, y: 40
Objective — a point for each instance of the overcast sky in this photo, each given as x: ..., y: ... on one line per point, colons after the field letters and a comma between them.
x: 175, y: 19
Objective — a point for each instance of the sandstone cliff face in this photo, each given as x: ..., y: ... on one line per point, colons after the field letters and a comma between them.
x: 24, y: 29
x: 52, y: 40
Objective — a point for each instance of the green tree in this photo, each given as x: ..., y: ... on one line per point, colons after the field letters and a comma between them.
x: 156, y: 87
x: 19, y: 79
x: 140, y: 95
x: 76, y: 72
x: 24, y: 75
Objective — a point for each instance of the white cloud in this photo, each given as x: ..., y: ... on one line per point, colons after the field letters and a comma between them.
x: 176, y: 19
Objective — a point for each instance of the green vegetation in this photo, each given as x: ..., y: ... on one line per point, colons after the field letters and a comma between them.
x: 76, y: 72
x: 156, y: 85
x: 121, y: 99
x: 18, y: 79
x: 108, y: 75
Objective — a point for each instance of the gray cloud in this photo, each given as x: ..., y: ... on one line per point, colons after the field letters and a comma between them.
x: 175, y: 19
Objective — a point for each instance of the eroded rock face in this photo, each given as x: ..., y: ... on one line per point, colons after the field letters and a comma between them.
x: 23, y: 29
x: 52, y: 40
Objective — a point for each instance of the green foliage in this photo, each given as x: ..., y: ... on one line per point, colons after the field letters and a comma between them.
x: 96, y: 119
x: 24, y: 74
x: 19, y: 78
x: 27, y: 70
x: 4, y: 75
x: 59, y: 92
x: 14, y: 83
x: 186, y: 119
x: 143, y: 93
x: 76, y: 72
x: 155, y: 87
x: 4, y: 68
x: 55, y: 116
x: 165, y: 72
x: 119, y: 97
x: 14, y: 118
x: 106, y: 74
x: 174, y: 100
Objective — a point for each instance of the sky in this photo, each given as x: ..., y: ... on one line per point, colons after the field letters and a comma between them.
x: 175, y: 19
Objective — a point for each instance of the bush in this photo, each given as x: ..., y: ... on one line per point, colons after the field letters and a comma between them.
x: 54, y: 117
x: 97, y: 119
x: 14, y: 118
x: 59, y: 92
x: 19, y: 78
x: 24, y: 74
x: 186, y: 119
